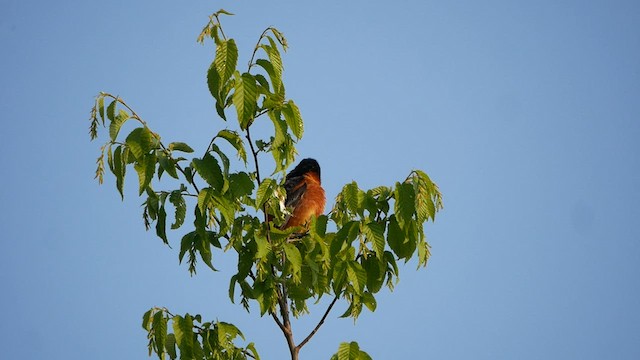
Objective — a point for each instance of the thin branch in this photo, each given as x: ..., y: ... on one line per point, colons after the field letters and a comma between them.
x: 134, y: 115
x: 255, y: 155
x: 326, y: 313
x: 255, y: 50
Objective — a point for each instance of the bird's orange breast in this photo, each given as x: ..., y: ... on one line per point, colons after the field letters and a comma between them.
x: 312, y: 202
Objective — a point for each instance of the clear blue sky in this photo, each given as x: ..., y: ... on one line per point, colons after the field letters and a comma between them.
x: 526, y: 113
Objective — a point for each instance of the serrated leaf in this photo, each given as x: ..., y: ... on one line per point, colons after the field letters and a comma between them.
x: 241, y: 184
x: 348, y: 351
x: 276, y: 80
x: 145, y: 167
x: 111, y: 110
x: 263, y: 248
x: 375, y: 275
x: 170, y: 346
x: 236, y: 141
x: 101, y: 109
x: 280, y: 129
x: 226, y: 59
x: 167, y: 164
x: 183, y: 330
x: 140, y: 141
x: 209, y: 170
x: 204, y: 197
x: 265, y: 191
x: 293, y: 118
x: 245, y: 98
x: 185, y: 244
x: 294, y: 257
x: 180, y: 146
x: 404, y: 206
x: 357, y: 276
x: 375, y: 233
x: 180, y: 205
x: 276, y: 63
x: 159, y: 331
x: 116, y: 124
x: 351, y: 196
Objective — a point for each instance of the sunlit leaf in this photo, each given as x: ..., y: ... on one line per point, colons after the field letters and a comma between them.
x: 293, y: 118
x: 245, y: 98
x: 180, y: 146
x: 116, y: 124
x: 236, y: 141
x: 140, y: 141
x: 210, y: 171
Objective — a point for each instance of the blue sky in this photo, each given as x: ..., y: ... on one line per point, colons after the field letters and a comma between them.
x: 527, y: 114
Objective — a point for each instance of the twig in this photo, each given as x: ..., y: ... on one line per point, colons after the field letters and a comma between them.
x: 313, y: 332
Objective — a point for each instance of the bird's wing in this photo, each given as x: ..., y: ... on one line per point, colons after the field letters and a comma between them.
x: 295, y: 187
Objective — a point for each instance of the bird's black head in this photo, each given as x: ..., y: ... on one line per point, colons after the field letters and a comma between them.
x: 305, y: 166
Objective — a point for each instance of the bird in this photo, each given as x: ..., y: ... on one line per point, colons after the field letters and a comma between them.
x: 305, y: 195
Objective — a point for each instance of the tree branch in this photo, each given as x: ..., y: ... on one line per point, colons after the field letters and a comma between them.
x: 315, y: 330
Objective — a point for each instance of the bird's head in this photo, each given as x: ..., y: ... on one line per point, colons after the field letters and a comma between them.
x: 305, y: 166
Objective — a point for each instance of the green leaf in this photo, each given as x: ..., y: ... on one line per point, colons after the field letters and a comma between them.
x: 145, y: 167
x: 204, y: 197
x: 265, y: 191
x: 159, y: 331
x: 369, y: 301
x: 350, y: 351
x: 111, y: 110
x: 375, y: 233
x: 245, y: 98
x: 236, y: 141
x: 226, y: 59
x: 146, y: 319
x: 101, y: 108
x: 276, y: 63
x: 167, y: 164
x: 293, y: 118
x: 180, y: 146
x: 185, y: 244
x: 263, y: 248
x: 294, y: 257
x: 209, y: 170
x: 352, y: 197
x: 357, y: 276
x: 280, y: 127
x: 140, y: 141
x: 178, y: 202
x: 203, y: 245
x: 399, y: 242
x: 119, y: 166
x: 405, y: 203
x: 161, y: 225
x: 375, y: 275
x: 170, y: 346
x: 252, y: 348
x: 276, y: 79
x: 116, y: 124
x: 183, y: 330
x: 241, y: 184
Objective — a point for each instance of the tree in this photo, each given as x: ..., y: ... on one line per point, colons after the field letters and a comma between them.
x: 235, y: 208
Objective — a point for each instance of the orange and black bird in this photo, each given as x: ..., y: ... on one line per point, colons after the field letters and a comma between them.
x: 305, y: 195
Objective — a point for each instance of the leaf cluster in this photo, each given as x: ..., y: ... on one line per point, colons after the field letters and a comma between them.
x: 235, y: 209
x: 193, y: 339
